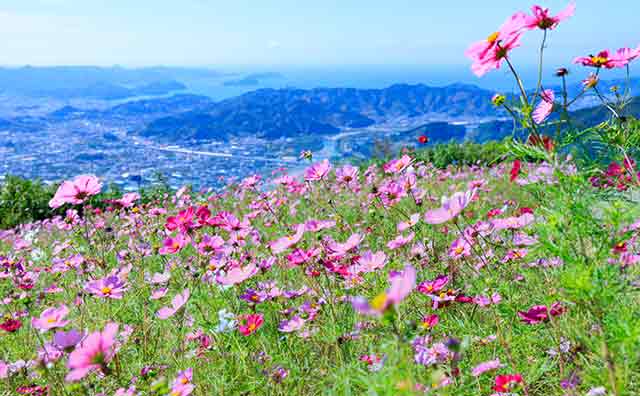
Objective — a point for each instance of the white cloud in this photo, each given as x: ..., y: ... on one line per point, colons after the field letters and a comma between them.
x: 273, y: 44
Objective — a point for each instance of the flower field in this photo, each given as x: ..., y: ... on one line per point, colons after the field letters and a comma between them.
x: 399, y: 279
x: 517, y: 277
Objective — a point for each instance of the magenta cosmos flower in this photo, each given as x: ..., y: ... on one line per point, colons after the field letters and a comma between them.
x: 545, y: 107
x: 76, y: 191
x: 51, y: 318
x: 317, y: 171
x: 94, y: 353
x: 178, y: 302
x: 109, y: 287
x: 603, y: 59
x: 489, y: 53
x: 451, y: 207
x: 542, y: 20
x: 174, y: 245
x: 540, y: 313
x: 248, y: 324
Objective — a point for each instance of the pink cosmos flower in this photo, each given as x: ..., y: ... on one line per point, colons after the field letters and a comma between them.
x: 515, y: 254
x: 128, y: 200
x: 210, y: 244
x: 4, y: 370
x: 429, y: 321
x: 545, y: 107
x: 485, y: 301
x: 49, y: 354
x: 624, y: 56
x: 76, y: 191
x: 402, y: 284
x: 347, y: 174
x: 249, y: 324
x: 489, y: 53
x: 237, y: 275
x: 94, y: 353
x: 460, y: 248
x: 317, y: 171
x: 182, y: 390
x: 51, y: 318
x: 603, y: 59
x: 317, y: 225
x: 370, y: 262
x: 294, y: 324
x: 178, y: 302
x: 400, y: 241
x: 542, y: 20
x: 507, y: 383
x: 451, y: 207
x: 338, y: 249
x: 485, y: 367
x: 391, y: 192
x: 413, y: 220
x: 108, y: 287
x: 540, y: 313
x: 284, y: 243
x: 397, y: 165
x: 183, y: 221
x: 301, y: 256
x: 513, y: 223
x: 183, y: 378
x: 158, y: 293
x: 174, y: 245
x: 433, y: 286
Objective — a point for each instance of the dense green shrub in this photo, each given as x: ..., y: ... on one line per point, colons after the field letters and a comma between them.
x: 24, y: 201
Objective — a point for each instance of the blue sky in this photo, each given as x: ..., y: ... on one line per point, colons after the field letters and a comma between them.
x: 289, y: 32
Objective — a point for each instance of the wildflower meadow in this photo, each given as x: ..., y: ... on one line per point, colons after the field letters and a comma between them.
x: 513, y: 277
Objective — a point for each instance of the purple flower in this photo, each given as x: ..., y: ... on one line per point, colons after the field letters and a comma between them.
x: 67, y: 340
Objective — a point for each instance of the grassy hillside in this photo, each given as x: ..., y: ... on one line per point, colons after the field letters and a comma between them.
x: 346, y: 283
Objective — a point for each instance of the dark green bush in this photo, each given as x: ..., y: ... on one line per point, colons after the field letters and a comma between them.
x: 25, y: 201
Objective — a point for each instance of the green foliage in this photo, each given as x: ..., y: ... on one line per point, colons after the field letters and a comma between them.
x: 24, y: 201
x: 462, y: 154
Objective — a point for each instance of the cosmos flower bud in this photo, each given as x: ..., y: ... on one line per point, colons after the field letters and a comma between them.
x: 498, y: 99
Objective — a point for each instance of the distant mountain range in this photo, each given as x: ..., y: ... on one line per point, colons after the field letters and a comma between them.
x: 272, y: 114
x: 253, y: 79
x: 89, y: 82
x: 276, y: 113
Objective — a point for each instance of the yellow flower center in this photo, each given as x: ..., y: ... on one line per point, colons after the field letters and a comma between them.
x: 106, y: 290
x: 379, y: 302
x: 493, y: 37
x: 599, y: 60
